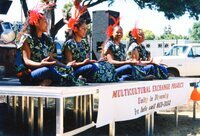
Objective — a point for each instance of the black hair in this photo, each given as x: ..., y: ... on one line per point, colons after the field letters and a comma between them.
x: 31, y: 29
x: 69, y: 34
x: 131, y: 39
x: 86, y: 16
x: 80, y: 22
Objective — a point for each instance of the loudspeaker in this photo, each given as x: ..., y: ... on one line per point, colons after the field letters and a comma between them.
x: 4, y: 6
x: 101, y: 21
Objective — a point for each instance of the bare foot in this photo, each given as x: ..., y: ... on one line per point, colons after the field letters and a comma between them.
x: 149, y: 77
x: 46, y: 82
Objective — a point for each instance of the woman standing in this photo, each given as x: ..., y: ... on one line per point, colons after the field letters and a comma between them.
x: 76, y: 11
x: 37, y: 49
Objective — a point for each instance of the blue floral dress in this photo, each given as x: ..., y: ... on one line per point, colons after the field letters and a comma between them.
x: 159, y: 71
x: 143, y: 53
x: 80, y: 51
x: 40, y: 51
x: 120, y: 55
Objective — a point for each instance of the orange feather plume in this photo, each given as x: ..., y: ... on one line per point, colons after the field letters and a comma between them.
x: 109, y: 31
x: 34, y: 16
x: 73, y: 21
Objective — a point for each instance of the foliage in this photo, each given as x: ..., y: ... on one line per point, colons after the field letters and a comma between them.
x: 167, y: 34
x: 149, y: 35
x: 91, y: 3
x: 172, y: 8
x: 167, y: 29
x: 195, y: 32
x: 125, y: 36
x: 67, y: 7
x: 172, y: 36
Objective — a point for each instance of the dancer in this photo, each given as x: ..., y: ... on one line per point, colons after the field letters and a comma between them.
x: 38, y: 65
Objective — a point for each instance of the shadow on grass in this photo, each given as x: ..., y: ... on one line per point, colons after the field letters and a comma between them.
x: 164, y: 125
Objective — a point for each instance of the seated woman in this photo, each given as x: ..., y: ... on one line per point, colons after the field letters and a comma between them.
x: 76, y: 10
x: 77, y: 49
x: 114, y: 51
x: 38, y: 64
x: 137, y: 51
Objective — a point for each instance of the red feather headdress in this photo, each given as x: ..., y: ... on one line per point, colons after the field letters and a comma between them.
x: 73, y: 21
x: 110, y: 28
x: 34, y: 16
x: 135, y: 32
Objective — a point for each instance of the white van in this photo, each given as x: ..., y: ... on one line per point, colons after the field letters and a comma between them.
x: 182, y: 60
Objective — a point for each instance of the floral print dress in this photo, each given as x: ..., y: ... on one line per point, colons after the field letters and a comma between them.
x: 80, y: 51
x: 40, y: 51
x: 160, y: 71
x: 120, y: 55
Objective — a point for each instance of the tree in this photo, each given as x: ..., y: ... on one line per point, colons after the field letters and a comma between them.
x: 195, y: 32
x: 172, y: 36
x: 149, y: 35
x: 167, y: 34
x: 172, y: 9
x: 24, y: 7
x: 67, y: 7
x: 167, y: 29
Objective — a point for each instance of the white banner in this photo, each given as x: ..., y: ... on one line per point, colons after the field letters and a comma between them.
x: 125, y: 101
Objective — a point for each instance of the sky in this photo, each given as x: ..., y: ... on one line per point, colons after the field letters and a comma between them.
x: 129, y: 13
x: 148, y: 19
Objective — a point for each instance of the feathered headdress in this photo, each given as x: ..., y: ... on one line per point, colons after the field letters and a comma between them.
x: 34, y: 15
x: 110, y: 28
x: 73, y: 21
x: 77, y: 2
x: 135, y: 32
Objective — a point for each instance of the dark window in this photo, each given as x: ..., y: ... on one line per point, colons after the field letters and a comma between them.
x: 148, y: 45
x: 196, y: 51
x: 99, y: 46
x: 4, y: 6
x: 190, y: 54
x: 172, y: 44
x: 166, y: 45
x: 159, y: 45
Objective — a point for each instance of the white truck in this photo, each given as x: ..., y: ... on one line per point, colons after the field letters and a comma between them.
x: 182, y: 60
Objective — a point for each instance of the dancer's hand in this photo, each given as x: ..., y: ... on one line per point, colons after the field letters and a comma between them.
x: 47, y: 61
x: 103, y: 59
x: 72, y: 63
x: 88, y: 61
x: 93, y: 61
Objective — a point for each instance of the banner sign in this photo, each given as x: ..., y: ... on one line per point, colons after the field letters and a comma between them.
x: 130, y: 100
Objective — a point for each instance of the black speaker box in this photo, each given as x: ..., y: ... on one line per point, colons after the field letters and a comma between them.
x: 4, y: 6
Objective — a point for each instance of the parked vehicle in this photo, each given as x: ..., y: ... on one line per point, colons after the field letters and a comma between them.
x: 182, y: 60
